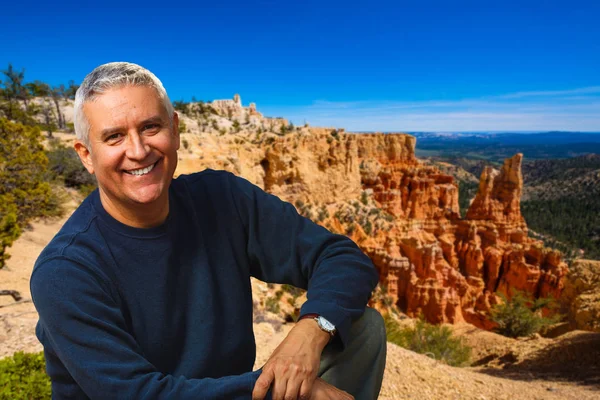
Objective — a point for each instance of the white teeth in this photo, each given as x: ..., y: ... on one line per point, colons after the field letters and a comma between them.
x: 141, y: 171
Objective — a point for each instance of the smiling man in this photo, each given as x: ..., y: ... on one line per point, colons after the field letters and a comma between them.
x: 145, y: 292
x: 135, y: 141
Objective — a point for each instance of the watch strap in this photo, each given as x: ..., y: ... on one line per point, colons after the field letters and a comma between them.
x: 315, y: 317
x: 311, y: 315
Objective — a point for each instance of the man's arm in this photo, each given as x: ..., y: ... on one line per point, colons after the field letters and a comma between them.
x: 86, y: 329
x: 285, y: 247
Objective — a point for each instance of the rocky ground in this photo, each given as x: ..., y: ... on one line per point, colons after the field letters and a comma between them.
x: 536, y: 368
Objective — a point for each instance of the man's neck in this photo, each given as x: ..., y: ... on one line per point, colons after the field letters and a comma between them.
x: 138, y: 215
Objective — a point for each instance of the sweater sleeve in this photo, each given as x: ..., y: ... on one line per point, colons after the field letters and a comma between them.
x: 284, y: 247
x: 82, y: 324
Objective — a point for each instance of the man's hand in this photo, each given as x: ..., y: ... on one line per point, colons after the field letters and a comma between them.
x: 293, y: 366
x: 324, y: 391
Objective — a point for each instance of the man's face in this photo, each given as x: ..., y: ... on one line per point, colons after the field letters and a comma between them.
x: 132, y: 147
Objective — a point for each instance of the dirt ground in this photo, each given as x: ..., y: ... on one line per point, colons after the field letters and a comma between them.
x: 567, y: 367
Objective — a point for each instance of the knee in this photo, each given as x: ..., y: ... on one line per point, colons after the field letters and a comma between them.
x: 370, y: 328
x: 376, y: 326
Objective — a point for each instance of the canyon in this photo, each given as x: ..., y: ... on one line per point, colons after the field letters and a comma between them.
x: 402, y: 212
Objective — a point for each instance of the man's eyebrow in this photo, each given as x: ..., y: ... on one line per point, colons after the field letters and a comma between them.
x: 109, y: 131
x: 155, y: 119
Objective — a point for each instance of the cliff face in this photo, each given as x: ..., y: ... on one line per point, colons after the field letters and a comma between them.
x: 580, y: 300
x: 402, y: 213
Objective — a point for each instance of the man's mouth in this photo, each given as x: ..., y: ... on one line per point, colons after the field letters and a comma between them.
x: 141, y: 171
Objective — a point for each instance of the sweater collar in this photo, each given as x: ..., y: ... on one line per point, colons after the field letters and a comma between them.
x: 130, y: 231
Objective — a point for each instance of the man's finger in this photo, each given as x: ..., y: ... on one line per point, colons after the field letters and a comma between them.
x: 305, y: 390
x: 261, y: 387
x: 293, y: 387
x: 279, y: 387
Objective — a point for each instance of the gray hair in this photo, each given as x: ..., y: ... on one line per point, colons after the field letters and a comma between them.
x: 110, y: 76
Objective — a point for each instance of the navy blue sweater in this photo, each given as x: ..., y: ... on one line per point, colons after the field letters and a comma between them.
x: 166, y: 312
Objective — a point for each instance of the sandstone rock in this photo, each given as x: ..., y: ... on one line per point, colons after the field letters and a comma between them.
x: 499, y: 196
x: 580, y: 299
x: 228, y: 107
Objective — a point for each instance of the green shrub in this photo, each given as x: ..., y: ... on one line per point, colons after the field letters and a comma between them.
x: 388, y: 217
x: 350, y: 229
x: 23, y: 376
x: 368, y: 228
x: 181, y: 106
x: 9, y: 229
x: 272, y: 305
x: 182, y: 126
x: 323, y: 213
x: 364, y: 198
x: 65, y: 167
x: 519, y: 316
x: 25, y: 192
x: 292, y: 290
x: 435, y: 341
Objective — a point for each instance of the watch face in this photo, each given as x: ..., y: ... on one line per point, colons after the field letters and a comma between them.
x: 328, y: 326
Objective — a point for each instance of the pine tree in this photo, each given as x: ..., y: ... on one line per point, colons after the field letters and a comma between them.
x: 13, y: 91
x: 24, y: 192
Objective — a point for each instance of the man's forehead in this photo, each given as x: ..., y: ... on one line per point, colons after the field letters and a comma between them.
x: 125, y: 102
x: 128, y: 94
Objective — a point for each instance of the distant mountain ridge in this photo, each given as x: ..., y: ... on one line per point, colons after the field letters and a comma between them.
x: 496, y: 147
x: 512, y: 138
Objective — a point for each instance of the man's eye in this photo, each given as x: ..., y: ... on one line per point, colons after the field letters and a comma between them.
x: 151, y: 127
x: 113, y: 137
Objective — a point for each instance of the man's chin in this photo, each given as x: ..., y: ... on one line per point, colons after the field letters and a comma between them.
x: 149, y: 196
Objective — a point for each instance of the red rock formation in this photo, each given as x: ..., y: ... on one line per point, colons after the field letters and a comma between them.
x: 455, y: 267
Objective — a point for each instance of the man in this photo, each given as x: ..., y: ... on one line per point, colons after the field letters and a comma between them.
x: 145, y: 292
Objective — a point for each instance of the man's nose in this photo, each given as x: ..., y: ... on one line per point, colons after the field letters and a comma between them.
x: 137, y: 148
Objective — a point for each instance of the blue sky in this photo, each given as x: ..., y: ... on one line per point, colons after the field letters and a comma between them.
x: 364, y: 65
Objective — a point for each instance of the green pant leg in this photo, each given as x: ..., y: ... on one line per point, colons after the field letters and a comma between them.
x: 358, y: 369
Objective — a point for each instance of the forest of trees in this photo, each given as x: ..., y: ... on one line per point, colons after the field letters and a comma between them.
x: 564, y: 203
x: 574, y: 221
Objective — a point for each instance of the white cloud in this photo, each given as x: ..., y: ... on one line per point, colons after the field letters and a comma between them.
x: 584, y: 90
x: 573, y: 110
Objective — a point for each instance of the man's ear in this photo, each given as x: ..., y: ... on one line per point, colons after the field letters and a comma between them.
x: 176, y: 128
x: 84, y: 155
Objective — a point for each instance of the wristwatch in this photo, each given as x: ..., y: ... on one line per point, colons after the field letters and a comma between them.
x: 323, y: 323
